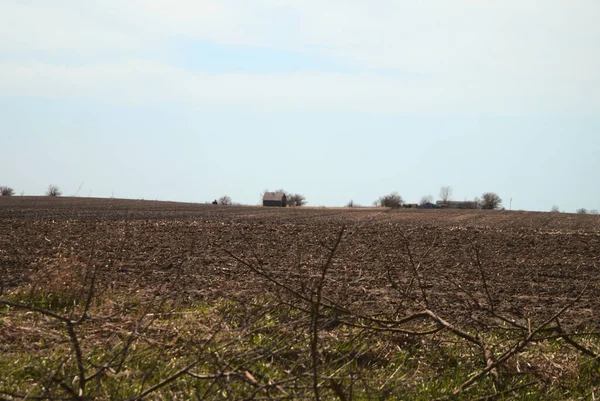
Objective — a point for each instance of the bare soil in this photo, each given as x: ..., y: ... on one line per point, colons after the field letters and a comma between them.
x: 533, y: 264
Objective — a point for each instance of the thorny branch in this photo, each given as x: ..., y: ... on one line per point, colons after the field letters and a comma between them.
x: 421, y: 321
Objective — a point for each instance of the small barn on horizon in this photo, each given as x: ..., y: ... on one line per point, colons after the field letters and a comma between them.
x: 274, y: 199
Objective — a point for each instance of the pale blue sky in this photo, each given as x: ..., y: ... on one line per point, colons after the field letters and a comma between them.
x: 190, y: 100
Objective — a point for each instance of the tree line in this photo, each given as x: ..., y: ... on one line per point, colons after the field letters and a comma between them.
x: 52, y: 190
x: 488, y: 200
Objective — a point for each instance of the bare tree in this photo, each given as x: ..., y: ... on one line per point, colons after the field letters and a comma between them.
x: 446, y: 193
x: 593, y: 211
x: 426, y: 199
x: 490, y: 201
x: 262, y: 195
x: 393, y: 200
x: 225, y: 200
x: 555, y: 209
x: 296, y: 200
x: 582, y: 211
x: 6, y: 191
x: 53, y: 190
x: 352, y: 204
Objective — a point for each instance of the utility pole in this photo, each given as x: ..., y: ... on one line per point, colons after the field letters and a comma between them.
x: 510, y: 207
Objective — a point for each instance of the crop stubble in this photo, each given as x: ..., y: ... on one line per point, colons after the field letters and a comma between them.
x: 533, y: 263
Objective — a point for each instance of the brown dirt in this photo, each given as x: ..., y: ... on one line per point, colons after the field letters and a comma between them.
x: 534, y: 263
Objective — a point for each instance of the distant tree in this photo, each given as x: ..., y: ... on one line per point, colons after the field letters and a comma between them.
x: 352, y: 204
x: 555, y: 209
x: 426, y: 199
x: 262, y: 195
x: 490, y: 201
x: 446, y: 194
x: 593, y: 211
x: 225, y: 200
x: 393, y: 200
x: 6, y: 191
x: 582, y: 211
x: 53, y: 190
x: 215, y: 202
x: 296, y: 200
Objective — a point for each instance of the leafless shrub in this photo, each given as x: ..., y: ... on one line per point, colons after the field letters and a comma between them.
x: 393, y: 200
x: 296, y: 200
x: 53, y: 190
x: 417, y: 317
x: 555, y: 209
x: 494, y: 355
x: 70, y: 325
x: 351, y: 203
x: 224, y: 200
x: 6, y: 191
x: 582, y: 211
x: 76, y: 319
x: 303, y: 321
x: 491, y: 201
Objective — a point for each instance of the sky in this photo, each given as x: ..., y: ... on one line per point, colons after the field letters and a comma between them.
x: 190, y: 100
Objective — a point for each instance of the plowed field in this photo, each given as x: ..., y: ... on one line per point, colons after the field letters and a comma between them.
x: 531, y: 264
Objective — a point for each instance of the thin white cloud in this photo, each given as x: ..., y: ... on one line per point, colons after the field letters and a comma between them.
x: 143, y: 82
x: 468, y: 56
x: 43, y: 30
